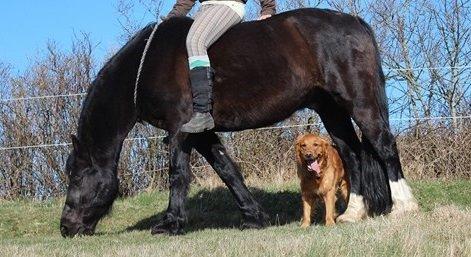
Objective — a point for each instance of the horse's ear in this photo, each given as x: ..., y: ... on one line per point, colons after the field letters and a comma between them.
x: 75, y: 143
x: 81, y: 152
x: 93, y: 161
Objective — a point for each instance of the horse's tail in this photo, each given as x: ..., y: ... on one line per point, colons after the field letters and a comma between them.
x: 380, y: 78
x: 375, y: 183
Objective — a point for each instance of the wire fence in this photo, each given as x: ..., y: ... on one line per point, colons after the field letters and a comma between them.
x: 29, y: 98
x: 263, y: 154
x: 33, y: 166
x: 5, y: 148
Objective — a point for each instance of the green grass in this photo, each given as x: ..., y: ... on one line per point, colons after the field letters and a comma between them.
x: 442, y: 227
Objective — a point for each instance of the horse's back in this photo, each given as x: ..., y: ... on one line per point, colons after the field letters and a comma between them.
x: 281, y: 28
x: 279, y: 60
x: 293, y: 39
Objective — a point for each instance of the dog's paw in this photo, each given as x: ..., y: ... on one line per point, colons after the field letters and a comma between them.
x: 330, y: 222
x: 305, y: 225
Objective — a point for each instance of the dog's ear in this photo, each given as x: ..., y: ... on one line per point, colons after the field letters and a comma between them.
x: 297, y: 148
x: 326, y: 147
x: 325, y: 143
x: 298, y: 139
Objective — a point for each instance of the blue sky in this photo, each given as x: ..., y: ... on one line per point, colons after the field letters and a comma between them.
x: 27, y: 25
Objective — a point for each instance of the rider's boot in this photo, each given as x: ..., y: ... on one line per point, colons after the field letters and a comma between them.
x: 201, y: 79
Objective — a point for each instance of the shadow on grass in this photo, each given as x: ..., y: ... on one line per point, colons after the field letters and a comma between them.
x: 217, y: 209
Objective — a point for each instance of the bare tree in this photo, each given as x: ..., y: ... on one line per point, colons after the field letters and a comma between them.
x: 354, y: 7
x: 426, y: 51
x: 4, y: 74
x: 40, y: 121
x: 427, y: 45
x: 452, y: 23
x: 131, y: 15
x: 4, y: 79
x: 295, y: 4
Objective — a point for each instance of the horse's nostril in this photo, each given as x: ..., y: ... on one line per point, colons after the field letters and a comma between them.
x: 64, y: 231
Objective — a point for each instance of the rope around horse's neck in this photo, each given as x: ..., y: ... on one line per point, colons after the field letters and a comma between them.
x: 144, y: 53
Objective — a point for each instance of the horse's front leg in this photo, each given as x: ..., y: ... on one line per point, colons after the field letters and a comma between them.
x: 209, y: 145
x: 175, y: 217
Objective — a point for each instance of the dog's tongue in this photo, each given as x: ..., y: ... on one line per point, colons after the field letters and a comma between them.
x: 315, y: 167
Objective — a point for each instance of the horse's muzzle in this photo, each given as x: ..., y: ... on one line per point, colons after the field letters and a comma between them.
x: 69, y: 230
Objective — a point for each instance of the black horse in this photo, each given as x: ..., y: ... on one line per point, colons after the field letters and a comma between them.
x: 265, y: 71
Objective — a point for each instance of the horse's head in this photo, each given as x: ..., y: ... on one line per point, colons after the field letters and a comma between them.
x: 91, y: 192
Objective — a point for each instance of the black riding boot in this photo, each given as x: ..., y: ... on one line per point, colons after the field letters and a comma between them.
x: 201, y: 79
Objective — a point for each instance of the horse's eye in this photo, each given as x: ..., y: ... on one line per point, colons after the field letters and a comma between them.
x: 75, y: 179
x: 68, y: 172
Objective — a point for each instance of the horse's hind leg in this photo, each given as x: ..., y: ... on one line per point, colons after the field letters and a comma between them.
x: 340, y: 128
x: 209, y: 145
x: 175, y: 216
x: 379, y: 144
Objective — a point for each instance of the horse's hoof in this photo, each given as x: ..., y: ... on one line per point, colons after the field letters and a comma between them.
x: 169, y: 229
x: 258, y: 220
x: 403, y: 199
x: 356, y: 210
x: 350, y: 217
x: 168, y: 225
x: 401, y: 208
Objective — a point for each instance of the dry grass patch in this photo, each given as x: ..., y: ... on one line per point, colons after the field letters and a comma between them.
x: 442, y: 228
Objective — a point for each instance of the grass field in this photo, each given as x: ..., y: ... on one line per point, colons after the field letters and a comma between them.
x: 441, y: 228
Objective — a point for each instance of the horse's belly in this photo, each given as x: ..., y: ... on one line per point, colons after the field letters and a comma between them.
x: 255, y: 103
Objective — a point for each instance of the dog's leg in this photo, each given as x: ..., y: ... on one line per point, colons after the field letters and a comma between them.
x: 329, y: 200
x: 344, y: 190
x: 308, y: 210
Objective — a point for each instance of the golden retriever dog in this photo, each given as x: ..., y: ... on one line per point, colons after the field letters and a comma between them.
x: 321, y: 172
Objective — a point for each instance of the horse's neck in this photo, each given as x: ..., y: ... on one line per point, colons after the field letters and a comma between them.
x: 109, y: 112
x: 104, y: 124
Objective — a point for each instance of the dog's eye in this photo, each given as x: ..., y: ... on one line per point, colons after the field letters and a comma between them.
x: 315, y: 144
x: 303, y: 145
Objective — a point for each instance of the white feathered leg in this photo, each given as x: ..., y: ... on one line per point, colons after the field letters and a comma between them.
x: 403, y: 200
x: 356, y: 210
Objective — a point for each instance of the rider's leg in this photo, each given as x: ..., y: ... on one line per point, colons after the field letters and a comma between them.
x: 210, y: 23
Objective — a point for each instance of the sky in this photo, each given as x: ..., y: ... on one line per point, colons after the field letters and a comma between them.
x: 27, y: 25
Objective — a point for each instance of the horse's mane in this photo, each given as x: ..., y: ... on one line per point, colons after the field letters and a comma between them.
x: 123, y: 54
x: 132, y: 43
